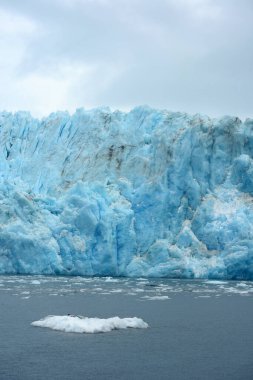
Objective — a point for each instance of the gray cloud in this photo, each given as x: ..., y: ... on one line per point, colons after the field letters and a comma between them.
x: 188, y: 55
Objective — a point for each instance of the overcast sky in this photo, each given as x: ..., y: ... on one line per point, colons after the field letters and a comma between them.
x: 182, y: 55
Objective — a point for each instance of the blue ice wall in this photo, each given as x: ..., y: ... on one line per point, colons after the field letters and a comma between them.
x: 144, y: 193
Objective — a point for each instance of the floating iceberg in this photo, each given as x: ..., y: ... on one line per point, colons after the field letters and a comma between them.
x: 145, y: 193
x: 68, y: 323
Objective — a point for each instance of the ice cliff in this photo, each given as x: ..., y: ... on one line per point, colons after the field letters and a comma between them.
x: 144, y: 193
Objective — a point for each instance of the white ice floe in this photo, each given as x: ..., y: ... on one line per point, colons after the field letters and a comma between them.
x: 79, y: 324
x: 35, y: 282
x: 215, y: 282
x: 156, y: 298
x: 242, y: 285
x: 111, y: 279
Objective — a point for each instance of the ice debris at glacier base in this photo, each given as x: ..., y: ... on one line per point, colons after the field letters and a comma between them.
x: 145, y: 193
x: 79, y: 324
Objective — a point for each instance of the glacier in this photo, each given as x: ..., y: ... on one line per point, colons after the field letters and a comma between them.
x: 141, y: 193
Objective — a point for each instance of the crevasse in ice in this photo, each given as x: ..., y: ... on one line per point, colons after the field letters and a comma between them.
x: 144, y: 193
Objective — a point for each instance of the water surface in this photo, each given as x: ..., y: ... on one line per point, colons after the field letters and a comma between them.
x: 198, y: 329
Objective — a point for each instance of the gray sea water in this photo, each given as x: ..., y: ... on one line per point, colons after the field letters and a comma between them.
x: 197, y: 329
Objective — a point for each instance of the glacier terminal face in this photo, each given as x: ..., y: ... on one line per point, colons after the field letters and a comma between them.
x: 145, y: 193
